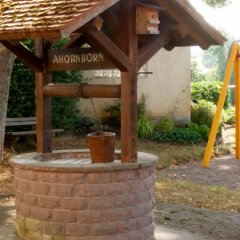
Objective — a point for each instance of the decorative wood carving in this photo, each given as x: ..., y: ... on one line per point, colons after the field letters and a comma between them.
x: 77, y: 59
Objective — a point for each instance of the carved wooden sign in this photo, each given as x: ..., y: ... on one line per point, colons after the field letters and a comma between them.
x: 77, y: 59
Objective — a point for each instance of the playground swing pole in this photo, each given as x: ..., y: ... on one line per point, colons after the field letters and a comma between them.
x: 237, y: 105
x: 221, y: 100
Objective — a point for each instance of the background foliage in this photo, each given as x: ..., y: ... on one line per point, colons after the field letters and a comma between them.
x: 209, y: 91
x: 21, y: 101
x: 202, y: 113
x: 217, y: 3
x: 178, y: 135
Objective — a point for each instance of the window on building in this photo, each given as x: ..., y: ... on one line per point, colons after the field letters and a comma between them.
x: 114, y: 73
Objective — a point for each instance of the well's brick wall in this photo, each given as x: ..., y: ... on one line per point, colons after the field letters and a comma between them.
x: 69, y: 206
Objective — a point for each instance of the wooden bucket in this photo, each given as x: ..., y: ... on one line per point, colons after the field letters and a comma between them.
x: 102, y: 146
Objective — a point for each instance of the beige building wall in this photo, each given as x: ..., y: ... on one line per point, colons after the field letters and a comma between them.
x: 167, y: 90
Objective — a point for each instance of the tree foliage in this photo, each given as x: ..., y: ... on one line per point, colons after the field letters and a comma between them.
x: 21, y: 101
x: 209, y: 91
x: 196, y: 74
x: 217, y: 3
x: 216, y: 58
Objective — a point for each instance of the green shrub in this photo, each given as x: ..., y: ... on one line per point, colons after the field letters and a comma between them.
x: 203, y: 130
x: 114, y: 111
x: 202, y: 113
x: 21, y: 101
x: 164, y: 124
x: 141, y: 106
x: 209, y: 91
x: 178, y: 135
x: 65, y: 113
x: 229, y: 115
x: 145, y: 127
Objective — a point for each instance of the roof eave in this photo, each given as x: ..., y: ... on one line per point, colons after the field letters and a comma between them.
x: 63, y: 30
x: 183, y: 12
x: 30, y: 34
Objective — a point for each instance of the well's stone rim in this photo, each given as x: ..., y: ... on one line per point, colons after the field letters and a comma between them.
x: 30, y: 161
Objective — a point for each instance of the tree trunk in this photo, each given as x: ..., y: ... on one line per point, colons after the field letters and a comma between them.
x: 6, y: 65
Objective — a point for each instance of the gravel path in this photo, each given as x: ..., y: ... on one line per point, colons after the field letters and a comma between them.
x: 7, y: 220
x: 190, y: 223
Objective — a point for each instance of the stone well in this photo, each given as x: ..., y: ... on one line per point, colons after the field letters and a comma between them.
x: 62, y: 196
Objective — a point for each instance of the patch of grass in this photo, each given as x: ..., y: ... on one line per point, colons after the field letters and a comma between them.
x: 176, y: 154
x: 188, y: 193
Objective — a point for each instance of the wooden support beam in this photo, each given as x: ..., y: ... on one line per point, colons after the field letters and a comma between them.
x: 179, y: 34
x: 43, y: 104
x: 111, y: 23
x: 128, y: 41
x: 75, y: 41
x: 179, y: 31
x: 25, y: 55
x: 110, y: 49
x: 152, y: 46
x: 82, y: 90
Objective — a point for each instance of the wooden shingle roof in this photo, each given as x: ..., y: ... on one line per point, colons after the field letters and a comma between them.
x: 21, y: 19
x: 200, y: 31
x: 28, y: 18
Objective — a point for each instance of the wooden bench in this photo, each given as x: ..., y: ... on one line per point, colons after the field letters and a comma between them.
x: 26, y: 121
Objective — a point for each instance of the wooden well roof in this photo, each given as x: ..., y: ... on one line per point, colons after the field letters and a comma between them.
x: 54, y: 19
x: 107, y: 26
x: 199, y: 30
x: 28, y: 18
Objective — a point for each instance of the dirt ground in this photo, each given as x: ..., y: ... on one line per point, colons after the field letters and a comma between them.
x: 174, y: 221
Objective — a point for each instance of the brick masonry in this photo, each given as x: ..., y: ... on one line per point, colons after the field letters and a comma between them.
x: 107, y: 205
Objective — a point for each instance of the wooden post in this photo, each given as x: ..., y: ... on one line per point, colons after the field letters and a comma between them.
x: 237, y: 105
x: 43, y: 104
x: 129, y: 44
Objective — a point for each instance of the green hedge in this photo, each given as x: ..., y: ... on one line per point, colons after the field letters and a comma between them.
x: 202, y: 113
x: 178, y: 135
x: 209, y: 91
x: 21, y: 101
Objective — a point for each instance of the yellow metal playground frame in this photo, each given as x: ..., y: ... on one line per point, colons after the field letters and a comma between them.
x: 234, y: 60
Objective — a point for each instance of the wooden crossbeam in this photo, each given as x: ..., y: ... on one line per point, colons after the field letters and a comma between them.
x: 25, y: 55
x: 110, y: 49
x: 179, y: 31
x: 180, y: 35
x: 75, y: 41
x: 153, y: 45
x: 82, y: 90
